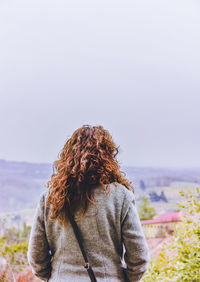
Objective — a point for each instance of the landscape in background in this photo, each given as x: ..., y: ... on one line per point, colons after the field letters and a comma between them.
x: 157, y: 192
x: 21, y: 184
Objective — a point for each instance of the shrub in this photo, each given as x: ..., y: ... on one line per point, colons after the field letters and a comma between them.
x: 15, y: 255
x: 179, y: 260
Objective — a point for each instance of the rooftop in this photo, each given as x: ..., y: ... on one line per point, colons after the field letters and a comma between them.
x: 163, y: 218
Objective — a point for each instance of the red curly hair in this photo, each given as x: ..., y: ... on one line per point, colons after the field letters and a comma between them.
x: 87, y: 159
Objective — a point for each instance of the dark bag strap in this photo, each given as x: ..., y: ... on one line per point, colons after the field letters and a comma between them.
x: 80, y: 240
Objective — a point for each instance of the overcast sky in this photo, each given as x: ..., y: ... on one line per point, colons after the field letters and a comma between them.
x: 131, y: 66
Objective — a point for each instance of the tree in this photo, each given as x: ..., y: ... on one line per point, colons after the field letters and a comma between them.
x: 145, y: 210
x: 163, y: 197
x: 25, y: 233
x: 16, y: 235
x: 142, y: 185
x: 13, y: 250
x: 179, y: 259
x: 154, y: 197
x: 15, y: 256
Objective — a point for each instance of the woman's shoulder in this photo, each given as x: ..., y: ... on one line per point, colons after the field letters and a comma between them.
x: 121, y: 189
x: 120, y: 193
x: 43, y: 199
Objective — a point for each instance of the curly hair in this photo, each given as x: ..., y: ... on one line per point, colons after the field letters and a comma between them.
x: 87, y: 159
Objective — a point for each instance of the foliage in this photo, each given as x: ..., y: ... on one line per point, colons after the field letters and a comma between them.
x: 14, y: 235
x: 154, y: 197
x: 179, y: 260
x: 145, y: 210
x: 14, y: 253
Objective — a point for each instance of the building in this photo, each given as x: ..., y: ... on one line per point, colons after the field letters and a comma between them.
x: 161, y: 226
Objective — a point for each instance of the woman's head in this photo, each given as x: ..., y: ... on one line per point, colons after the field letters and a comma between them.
x: 87, y: 159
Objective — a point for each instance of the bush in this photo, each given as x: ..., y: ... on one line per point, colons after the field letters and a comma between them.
x: 179, y: 260
x: 14, y: 249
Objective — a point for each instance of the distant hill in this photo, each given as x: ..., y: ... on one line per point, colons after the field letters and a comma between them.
x: 143, y: 177
x: 21, y: 183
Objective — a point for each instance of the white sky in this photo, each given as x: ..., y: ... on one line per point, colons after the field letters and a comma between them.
x: 131, y: 66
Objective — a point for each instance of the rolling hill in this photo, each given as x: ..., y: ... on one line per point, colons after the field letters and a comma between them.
x: 21, y: 183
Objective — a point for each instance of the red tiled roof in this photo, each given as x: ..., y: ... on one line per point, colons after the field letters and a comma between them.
x: 166, y: 217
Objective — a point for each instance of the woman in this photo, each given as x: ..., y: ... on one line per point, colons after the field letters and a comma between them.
x: 88, y: 185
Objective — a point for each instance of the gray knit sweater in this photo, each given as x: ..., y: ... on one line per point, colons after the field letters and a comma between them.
x: 112, y: 234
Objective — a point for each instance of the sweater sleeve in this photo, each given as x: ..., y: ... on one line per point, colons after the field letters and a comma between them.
x: 39, y: 256
x: 136, y: 249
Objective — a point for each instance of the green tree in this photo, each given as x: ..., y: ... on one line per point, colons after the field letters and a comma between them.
x: 179, y: 259
x: 16, y: 235
x: 13, y: 248
x: 145, y: 210
x: 25, y: 233
x: 15, y: 256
